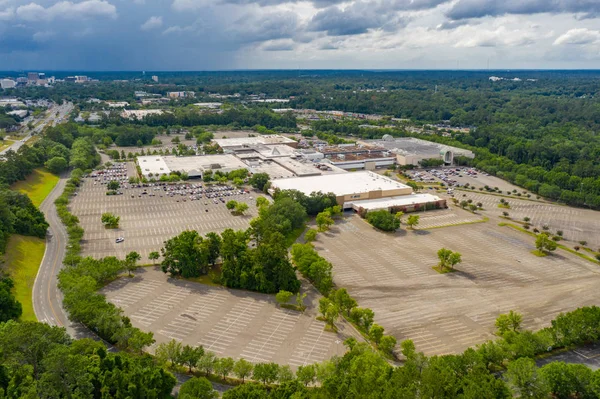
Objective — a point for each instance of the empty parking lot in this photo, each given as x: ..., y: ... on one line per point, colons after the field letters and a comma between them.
x: 577, y: 224
x: 227, y: 322
x: 391, y: 274
x: 147, y: 221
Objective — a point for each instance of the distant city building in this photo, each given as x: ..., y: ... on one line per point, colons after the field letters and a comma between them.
x: 81, y: 79
x: 32, y: 77
x: 41, y: 76
x: 22, y: 81
x: 7, y: 83
x: 155, y: 78
x: 181, y: 94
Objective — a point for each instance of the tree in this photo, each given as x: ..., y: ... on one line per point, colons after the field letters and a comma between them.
x: 448, y: 259
x: 240, y: 208
x: 544, y: 244
x: 191, y: 355
x: 186, y: 254
x: 284, y: 374
x: 306, y: 374
x: 169, y: 352
x: 259, y: 181
x: 10, y: 308
x: 329, y: 311
x: 343, y: 300
x: 242, y: 369
x: 509, y: 322
x: 266, y: 372
x: 110, y: 221
x: 213, y: 246
x: 283, y: 297
x: 56, y: 165
x: 383, y: 220
x: 231, y: 204
x: 310, y: 235
x: 224, y: 366
x: 387, y: 343
x: 131, y: 260
x: 197, y: 388
x: 207, y: 362
x: 153, y: 256
x: 300, y: 301
x: 113, y: 185
x: 324, y: 221
x: 522, y: 374
x: 261, y: 201
x: 412, y: 221
x: 375, y: 333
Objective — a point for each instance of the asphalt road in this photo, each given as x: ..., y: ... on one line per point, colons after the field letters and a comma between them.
x: 49, y: 119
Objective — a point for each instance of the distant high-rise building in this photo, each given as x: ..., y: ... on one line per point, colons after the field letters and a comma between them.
x: 32, y: 77
x: 155, y: 78
x: 7, y: 83
x: 41, y: 75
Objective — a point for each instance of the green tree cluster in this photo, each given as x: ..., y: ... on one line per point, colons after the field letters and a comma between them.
x: 37, y: 360
x: 383, y: 220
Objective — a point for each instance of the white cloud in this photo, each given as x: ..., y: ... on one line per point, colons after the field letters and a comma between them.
x: 152, y: 23
x: 7, y: 14
x: 66, y: 10
x: 578, y: 36
x: 43, y: 36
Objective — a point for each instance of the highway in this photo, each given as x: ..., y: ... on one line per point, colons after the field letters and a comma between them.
x: 50, y: 119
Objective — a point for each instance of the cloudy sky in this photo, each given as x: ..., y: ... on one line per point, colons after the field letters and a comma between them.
x: 292, y: 34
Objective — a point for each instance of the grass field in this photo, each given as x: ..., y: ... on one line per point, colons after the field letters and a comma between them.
x: 22, y: 260
x: 37, y: 186
x: 5, y: 144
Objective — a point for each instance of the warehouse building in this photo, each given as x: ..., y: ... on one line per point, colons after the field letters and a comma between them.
x: 364, y: 189
x: 411, y: 151
x: 247, y: 143
x: 156, y: 166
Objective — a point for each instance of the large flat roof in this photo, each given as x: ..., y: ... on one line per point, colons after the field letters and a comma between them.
x: 194, y: 165
x: 414, y: 146
x: 339, y: 183
x: 253, y: 141
x: 389, y: 202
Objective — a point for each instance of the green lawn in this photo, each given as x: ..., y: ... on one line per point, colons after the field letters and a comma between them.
x: 22, y: 261
x: 37, y: 185
x: 5, y: 144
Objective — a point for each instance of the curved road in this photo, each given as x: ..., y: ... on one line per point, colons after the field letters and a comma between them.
x: 47, y: 298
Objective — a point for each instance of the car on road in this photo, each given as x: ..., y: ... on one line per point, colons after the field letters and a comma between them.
x: 119, y: 240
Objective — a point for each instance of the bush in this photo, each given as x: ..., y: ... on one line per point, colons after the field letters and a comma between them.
x: 383, y: 220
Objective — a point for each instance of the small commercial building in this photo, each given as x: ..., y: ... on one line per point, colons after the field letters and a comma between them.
x: 405, y: 203
x: 347, y: 187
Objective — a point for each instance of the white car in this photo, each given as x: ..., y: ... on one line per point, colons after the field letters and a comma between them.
x: 119, y: 240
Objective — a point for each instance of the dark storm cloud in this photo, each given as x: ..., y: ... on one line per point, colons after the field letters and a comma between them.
x: 18, y: 38
x: 355, y: 19
x: 481, y: 8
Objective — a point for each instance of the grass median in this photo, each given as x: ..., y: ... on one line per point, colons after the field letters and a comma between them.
x: 22, y: 261
x: 37, y: 185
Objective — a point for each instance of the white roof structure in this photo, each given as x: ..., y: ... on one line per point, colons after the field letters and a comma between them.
x: 193, y: 166
x: 399, y: 201
x: 249, y: 142
x: 339, y: 183
x: 153, y: 164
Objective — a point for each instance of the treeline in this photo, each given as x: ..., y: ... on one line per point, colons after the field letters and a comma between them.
x: 18, y: 215
x: 362, y: 373
x: 236, y: 117
x: 7, y: 121
x: 41, y: 361
x: 81, y: 278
